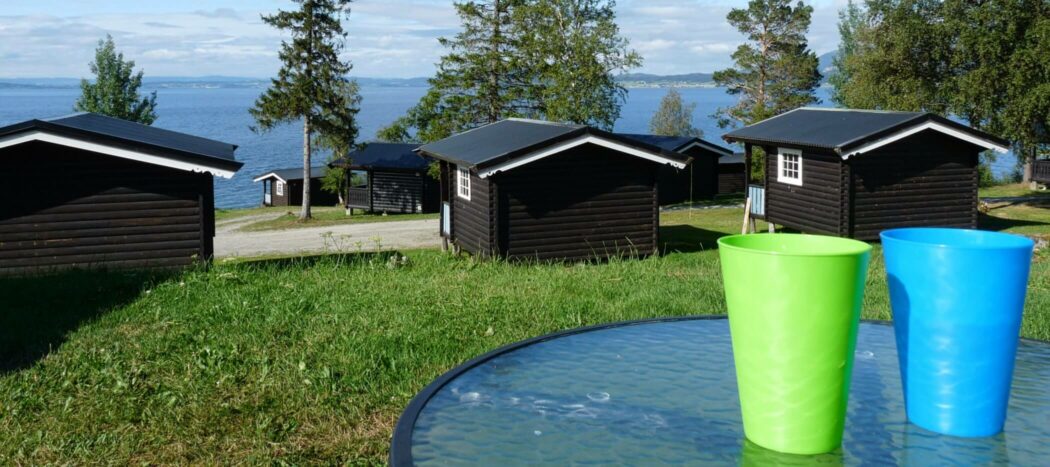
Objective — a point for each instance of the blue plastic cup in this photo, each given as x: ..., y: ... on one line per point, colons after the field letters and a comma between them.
x: 957, y: 298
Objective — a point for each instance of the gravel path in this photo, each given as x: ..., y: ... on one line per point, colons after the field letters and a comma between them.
x: 350, y: 237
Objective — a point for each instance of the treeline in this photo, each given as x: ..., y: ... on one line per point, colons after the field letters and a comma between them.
x: 985, y: 61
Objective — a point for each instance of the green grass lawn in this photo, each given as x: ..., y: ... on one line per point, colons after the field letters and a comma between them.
x: 1011, y: 190
x: 311, y: 360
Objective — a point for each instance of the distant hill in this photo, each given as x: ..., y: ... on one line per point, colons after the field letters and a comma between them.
x: 646, y: 80
x: 162, y: 82
x: 825, y: 63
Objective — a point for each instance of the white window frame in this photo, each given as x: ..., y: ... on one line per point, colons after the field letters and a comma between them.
x: 781, y: 176
x: 463, y: 182
x: 280, y: 188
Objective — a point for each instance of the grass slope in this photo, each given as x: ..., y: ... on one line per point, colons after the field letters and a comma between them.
x: 311, y: 360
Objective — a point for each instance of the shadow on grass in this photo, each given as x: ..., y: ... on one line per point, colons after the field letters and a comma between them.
x: 991, y: 222
x: 686, y: 238
x: 361, y: 257
x: 39, y: 312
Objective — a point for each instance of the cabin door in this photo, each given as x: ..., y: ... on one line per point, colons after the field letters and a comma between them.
x: 267, y: 196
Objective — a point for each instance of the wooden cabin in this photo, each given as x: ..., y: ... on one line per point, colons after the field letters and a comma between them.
x: 731, y: 176
x: 1041, y: 171
x: 855, y: 173
x: 699, y: 180
x: 393, y: 179
x: 527, y: 189
x: 284, y: 187
x: 87, y: 190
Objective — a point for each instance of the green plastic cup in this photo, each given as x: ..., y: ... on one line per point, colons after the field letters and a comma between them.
x: 794, y: 305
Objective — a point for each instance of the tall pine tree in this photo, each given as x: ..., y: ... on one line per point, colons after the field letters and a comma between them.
x: 551, y: 59
x: 774, y: 70
x: 674, y: 117
x: 480, y: 80
x: 312, y: 84
x: 115, y: 91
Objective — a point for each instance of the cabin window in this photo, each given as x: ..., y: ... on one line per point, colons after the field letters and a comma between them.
x: 463, y: 185
x: 789, y: 166
x: 280, y: 188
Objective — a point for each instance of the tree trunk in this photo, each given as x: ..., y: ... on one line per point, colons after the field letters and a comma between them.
x: 304, y: 214
x: 1029, y: 158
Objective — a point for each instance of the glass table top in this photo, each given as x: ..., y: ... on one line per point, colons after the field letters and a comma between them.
x: 664, y: 392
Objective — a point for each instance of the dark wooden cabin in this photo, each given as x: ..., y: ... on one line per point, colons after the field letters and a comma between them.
x: 731, y: 177
x: 92, y: 191
x: 284, y: 187
x: 856, y: 173
x: 1041, y: 171
x: 699, y: 180
x: 526, y: 189
x: 394, y: 179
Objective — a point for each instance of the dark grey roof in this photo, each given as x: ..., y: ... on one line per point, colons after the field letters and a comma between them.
x: 108, y: 130
x: 839, y: 129
x: 386, y: 156
x: 294, y: 173
x: 670, y: 143
x: 507, y: 139
x: 677, y: 143
x: 736, y: 158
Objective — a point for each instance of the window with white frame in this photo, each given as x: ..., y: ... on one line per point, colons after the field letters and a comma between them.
x: 280, y: 188
x: 463, y: 184
x: 789, y: 166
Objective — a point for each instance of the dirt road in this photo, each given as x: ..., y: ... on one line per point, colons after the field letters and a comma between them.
x: 351, y: 237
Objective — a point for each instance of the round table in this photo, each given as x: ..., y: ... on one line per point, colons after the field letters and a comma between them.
x: 664, y: 392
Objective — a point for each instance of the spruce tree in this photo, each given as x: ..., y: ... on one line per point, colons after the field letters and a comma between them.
x: 115, y: 91
x: 674, y: 117
x: 551, y: 59
x: 480, y: 80
x: 312, y: 84
x: 774, y: 70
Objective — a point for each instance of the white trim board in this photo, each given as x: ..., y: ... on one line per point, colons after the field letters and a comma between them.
x: 566, y: 145
x: 271, y: 174
x: 705, y: 145
x: 930, y: 125
x: 37, y: 135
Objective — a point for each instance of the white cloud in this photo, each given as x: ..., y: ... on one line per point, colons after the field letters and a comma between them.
x: 386, y: 38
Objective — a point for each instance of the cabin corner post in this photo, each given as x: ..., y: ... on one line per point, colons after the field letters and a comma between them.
x: 747, y: 164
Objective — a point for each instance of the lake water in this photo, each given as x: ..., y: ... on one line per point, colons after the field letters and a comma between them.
x: 222, y: 114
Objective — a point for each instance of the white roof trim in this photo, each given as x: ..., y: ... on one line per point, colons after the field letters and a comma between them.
x: 708, y: 146
x: 930, y: 125
x: 37, y: 135
x: 566, y: 145
x: 271, y: 174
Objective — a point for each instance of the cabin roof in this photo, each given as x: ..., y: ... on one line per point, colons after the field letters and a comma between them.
x: 293, y: 173
x: 507, y: 144
x: 678, y: 143
x: 849, y: 132
x: 132, y: 140
x: 385, y: 156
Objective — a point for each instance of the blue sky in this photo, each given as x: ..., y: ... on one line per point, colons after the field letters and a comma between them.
x: 393, y: 38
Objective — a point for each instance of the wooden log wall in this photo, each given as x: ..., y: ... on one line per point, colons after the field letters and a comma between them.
x: 71, y: 208
x: 587, y: 203
x: 473, y: 228
x: 927, y: 180
x: 817, y: 205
